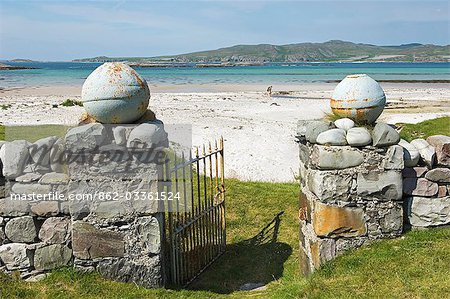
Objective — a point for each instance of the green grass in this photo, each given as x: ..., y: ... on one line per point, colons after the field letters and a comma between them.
x: 331, y: 116
x: 426, y: 128
x: 70, y: 103
x: 2, y: 132
x: 5, y: 106
x: 31, y: 133
x: 251, y: 206
x: 413, y: 266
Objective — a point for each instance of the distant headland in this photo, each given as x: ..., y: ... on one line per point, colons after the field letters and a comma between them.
x: 14, y: 67
x: 21, y: 60
x: 331, y: 51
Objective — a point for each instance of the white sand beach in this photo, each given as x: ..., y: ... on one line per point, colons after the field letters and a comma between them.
x: 258, y: 130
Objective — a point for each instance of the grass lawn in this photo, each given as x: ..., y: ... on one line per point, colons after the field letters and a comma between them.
x: 2, y: 132
x: 438, y: 126
x: 31, y: 133
x: 413, y: 266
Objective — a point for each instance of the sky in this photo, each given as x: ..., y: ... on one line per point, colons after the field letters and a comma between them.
x: 66, y: 30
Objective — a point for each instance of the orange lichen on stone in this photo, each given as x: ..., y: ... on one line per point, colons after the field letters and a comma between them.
x: 85, y: 119
x: 304, y: 213
x: 315, y: 254
x: 142, y: 107
x: 116, y: 119
x: 148, y: 115
x: 334, y: 221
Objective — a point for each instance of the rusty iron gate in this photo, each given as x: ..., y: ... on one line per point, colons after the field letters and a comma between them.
x: 195, y: 220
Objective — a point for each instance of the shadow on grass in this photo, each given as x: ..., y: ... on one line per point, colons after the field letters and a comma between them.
x: 259, y: 259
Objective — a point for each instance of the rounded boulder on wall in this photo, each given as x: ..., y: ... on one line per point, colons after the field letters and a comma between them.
x: 358, y: 97
x: 115, y: 93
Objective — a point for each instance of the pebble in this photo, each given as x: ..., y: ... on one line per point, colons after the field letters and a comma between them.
x: 358, y: 137
x: 344, y: 123
x: 332, y: 137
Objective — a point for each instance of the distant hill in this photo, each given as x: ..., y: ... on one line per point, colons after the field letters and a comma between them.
x: 331, y: 51
x: 14, y: 67
x: 21, y: 60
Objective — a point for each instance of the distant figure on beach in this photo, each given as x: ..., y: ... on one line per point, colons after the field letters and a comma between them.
x: 269, y: 91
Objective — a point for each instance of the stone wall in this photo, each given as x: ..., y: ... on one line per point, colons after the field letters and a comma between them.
x: 75, y: 201
x: 353, y: 190
x: 426, y: 181
x: 35, y: 235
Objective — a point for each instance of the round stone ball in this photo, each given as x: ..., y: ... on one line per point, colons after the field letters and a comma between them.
x: 359, y: 98
x: 115, y: 93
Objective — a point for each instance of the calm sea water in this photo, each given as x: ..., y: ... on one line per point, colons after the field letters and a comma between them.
x: 68, y: 73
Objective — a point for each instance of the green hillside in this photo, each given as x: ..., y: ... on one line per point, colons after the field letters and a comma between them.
x: 329, y: 51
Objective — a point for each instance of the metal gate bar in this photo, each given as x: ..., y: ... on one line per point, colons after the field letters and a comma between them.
x: 196, y: 235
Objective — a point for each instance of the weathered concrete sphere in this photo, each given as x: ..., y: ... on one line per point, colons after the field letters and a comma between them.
x: 115, y: 93
x: 358, y: 97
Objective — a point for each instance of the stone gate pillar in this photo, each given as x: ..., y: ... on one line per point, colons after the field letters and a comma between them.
x: 117, y: 221
x: 351, y: 189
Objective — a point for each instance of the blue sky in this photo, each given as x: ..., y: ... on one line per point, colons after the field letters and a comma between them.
x: 65, y: 30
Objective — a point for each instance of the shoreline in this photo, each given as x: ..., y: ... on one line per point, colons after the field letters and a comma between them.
x: 75, y: 89
x: 402, y: 81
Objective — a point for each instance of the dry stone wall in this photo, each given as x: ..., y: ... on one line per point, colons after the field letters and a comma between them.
x: 426, y: 184
x: 74, y: 201
x: 355, y: 187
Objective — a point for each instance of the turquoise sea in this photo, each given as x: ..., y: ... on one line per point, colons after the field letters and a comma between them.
x: 70, y: 73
